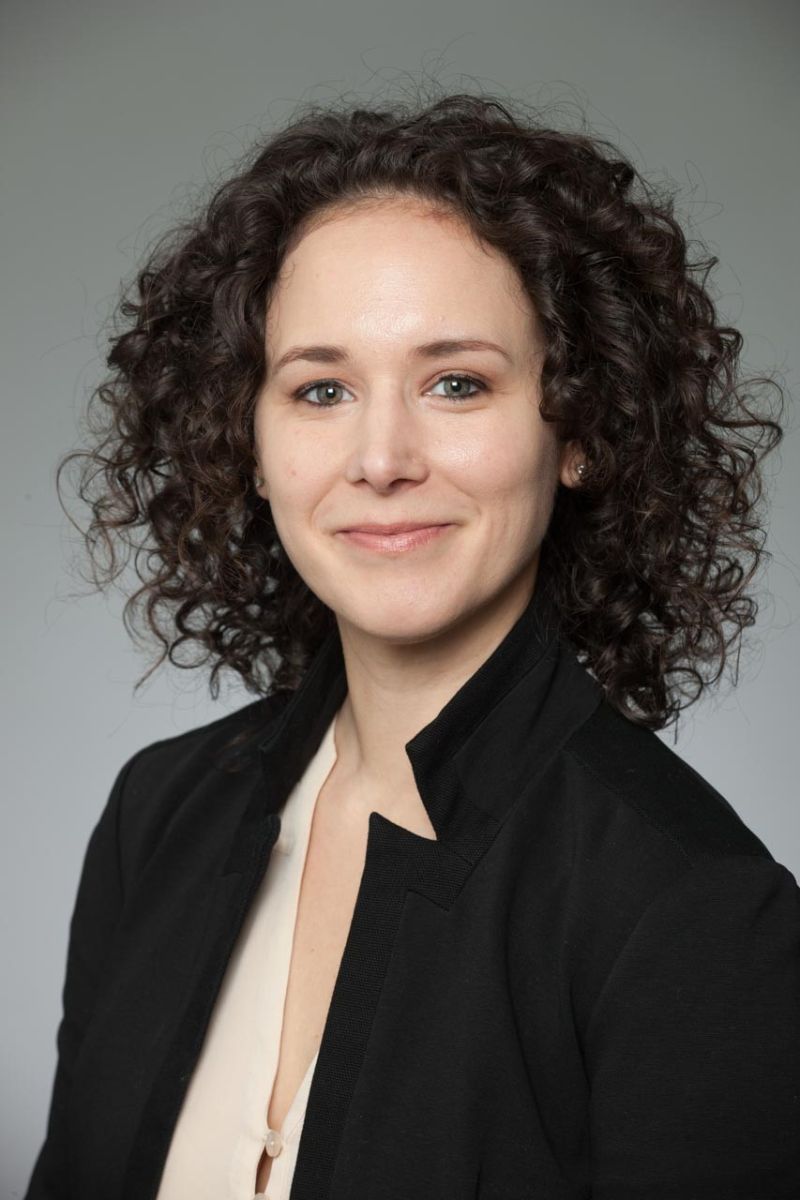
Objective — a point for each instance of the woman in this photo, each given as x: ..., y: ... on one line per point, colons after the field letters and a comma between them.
x: 438, y: 443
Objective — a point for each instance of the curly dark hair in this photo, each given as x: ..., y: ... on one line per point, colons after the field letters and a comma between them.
x: 647, y: 561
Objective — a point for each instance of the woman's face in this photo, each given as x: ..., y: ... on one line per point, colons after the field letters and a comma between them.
x: 385, y: 432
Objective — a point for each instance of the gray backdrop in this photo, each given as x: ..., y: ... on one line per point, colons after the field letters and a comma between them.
x: 113, y: 113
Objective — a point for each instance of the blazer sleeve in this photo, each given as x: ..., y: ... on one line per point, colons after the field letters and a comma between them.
x: 693, y: 1046
x: 95, y: 913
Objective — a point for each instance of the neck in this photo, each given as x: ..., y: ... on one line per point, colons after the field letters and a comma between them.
x: 393, y: 690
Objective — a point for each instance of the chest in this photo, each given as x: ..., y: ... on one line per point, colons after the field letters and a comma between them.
x: 332, y: 873
x: 329, y: 886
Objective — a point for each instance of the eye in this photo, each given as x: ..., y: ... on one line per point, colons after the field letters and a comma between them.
x: 461, y: 381
x: 330, y: 385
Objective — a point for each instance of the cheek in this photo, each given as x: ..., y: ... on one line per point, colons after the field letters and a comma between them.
x: 294, y: 470
x: 512, y: 467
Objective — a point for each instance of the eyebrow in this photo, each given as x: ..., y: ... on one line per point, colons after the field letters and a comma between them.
x: 338, y: 354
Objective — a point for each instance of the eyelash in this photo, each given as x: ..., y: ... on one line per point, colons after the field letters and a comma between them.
x: 302, y: 393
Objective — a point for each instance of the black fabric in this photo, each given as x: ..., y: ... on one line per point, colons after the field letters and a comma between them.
x: 587, y: 986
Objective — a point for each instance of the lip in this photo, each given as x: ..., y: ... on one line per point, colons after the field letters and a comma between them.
x: 393, y: 538
x: 398, y: 527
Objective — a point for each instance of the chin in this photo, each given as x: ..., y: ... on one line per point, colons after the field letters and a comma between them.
x: 404, y: 619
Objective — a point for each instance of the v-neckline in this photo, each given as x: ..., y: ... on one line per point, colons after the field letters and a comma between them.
x: 291, y: 1120
x: 329, y: 744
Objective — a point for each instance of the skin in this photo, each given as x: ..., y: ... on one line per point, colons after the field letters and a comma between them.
x: 379, y: 279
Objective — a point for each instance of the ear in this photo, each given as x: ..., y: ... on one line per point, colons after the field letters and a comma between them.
x: 572, y: 455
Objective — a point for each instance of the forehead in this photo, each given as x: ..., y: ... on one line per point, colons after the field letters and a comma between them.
x: 403, y: 225
x: 398, y: 261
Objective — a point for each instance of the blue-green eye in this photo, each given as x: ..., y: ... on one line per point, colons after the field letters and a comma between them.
x: 330, y: 385
x: 461, y: 380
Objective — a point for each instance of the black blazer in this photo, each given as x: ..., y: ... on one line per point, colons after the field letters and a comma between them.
x: 587, y: 986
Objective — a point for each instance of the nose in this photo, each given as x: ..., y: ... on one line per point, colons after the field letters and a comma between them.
x: 388, y: 440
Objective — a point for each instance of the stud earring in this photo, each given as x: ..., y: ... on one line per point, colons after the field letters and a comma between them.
x: 581, y: 467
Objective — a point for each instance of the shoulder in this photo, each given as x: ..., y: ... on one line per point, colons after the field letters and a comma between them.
x: 223, y: 743
x: 656, y: 863
x: 624, y: 774
x: 201, y: 778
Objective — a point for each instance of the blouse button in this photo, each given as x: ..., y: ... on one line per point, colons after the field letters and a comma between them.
x: 273, y: 1143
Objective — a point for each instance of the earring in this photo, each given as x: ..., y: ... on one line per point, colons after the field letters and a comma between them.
x: 581, y: 467
x: 259, y: 481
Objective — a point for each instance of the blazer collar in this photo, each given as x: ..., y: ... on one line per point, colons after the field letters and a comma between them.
x: 485, y: 734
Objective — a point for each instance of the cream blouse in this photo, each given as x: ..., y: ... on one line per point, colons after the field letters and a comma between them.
x: 222, y: 1127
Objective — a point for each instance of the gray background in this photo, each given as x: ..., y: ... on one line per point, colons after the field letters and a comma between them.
x: 113, y: 116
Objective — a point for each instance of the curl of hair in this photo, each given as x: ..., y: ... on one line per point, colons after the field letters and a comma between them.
x: 648, y: 560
